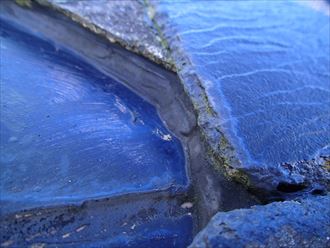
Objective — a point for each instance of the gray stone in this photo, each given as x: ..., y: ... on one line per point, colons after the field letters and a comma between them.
x: 124, y: 22
x: 300, y: 223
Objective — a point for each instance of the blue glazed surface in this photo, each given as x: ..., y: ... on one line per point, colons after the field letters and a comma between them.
x: 69, y: 133
x: 266, y: 69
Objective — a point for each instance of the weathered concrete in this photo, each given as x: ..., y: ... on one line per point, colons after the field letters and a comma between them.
x: 122, y: 22
x: 300, y: 223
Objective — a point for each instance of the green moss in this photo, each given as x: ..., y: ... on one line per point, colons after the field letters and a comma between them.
x: 151, y: 13
x: 24, y: 3
x: 327, y: 165
x: 223, y: 165
x: 209, y: 109
x: 223, y: 142
x: 170, y: 64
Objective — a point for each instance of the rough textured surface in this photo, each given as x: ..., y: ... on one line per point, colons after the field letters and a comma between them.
x: 146, y: 220
x: 300, y: 223
x: 261, y: 85
x: 123, y: 22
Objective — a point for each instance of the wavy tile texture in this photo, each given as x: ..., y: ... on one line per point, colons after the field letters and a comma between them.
x: 70, y: 133
x: 266, y: 69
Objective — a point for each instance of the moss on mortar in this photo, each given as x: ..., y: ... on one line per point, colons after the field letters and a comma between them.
x: 24, y: 3
x: 151, y: 14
